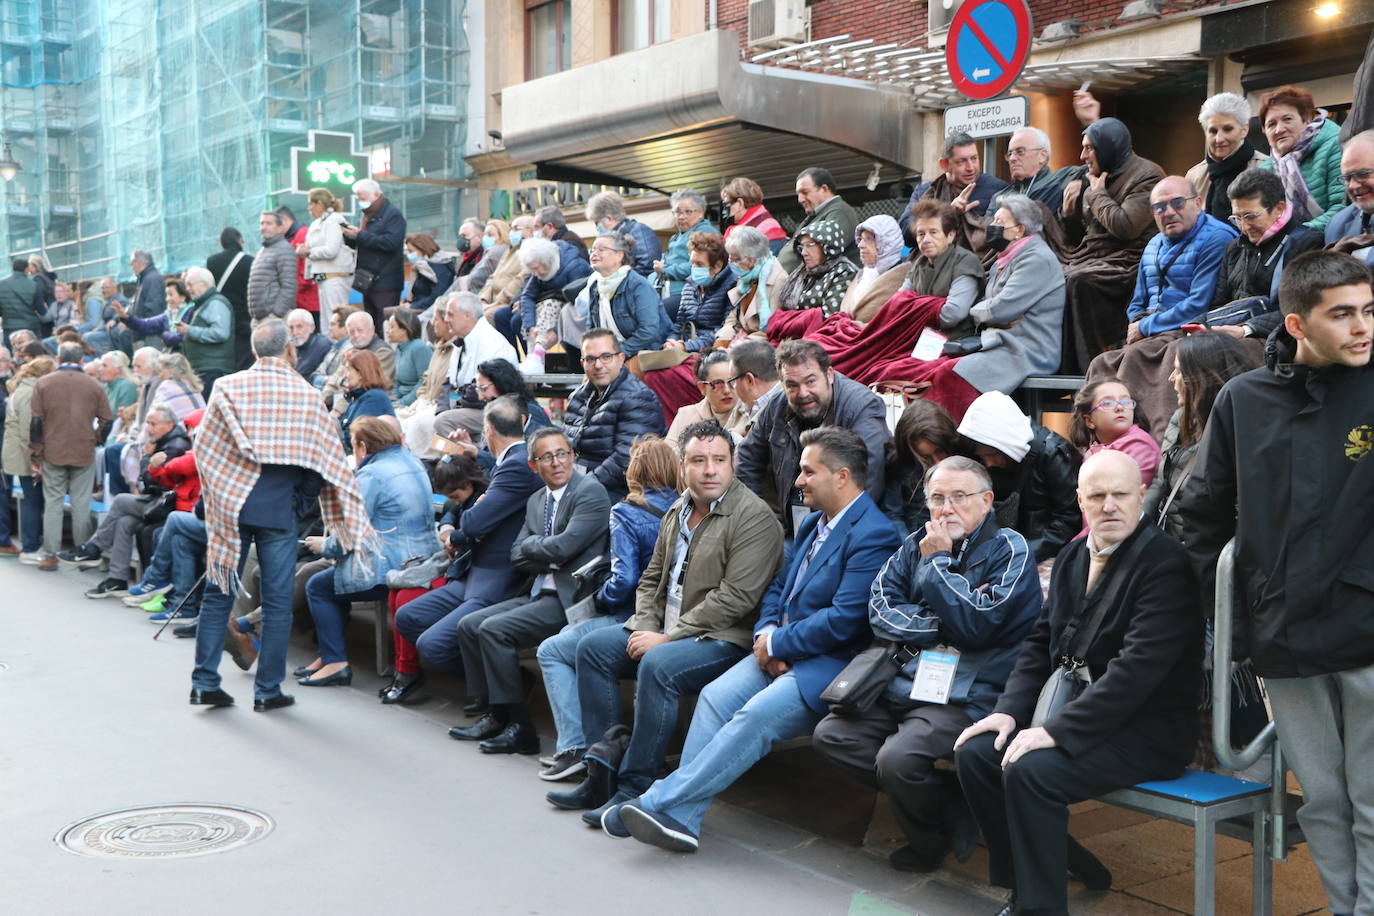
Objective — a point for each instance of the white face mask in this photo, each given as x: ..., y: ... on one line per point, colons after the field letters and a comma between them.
x: 364, y: 204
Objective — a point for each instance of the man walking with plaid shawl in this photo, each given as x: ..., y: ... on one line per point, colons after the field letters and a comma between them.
x: 266, y: 448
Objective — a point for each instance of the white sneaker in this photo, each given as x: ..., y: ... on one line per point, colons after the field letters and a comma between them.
x: 532, y: 364
x: 31, y: 559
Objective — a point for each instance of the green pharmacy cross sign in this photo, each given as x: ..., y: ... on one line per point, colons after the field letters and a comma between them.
x: 328, y: 160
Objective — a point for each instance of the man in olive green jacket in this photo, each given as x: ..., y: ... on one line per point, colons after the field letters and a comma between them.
x: 207, y: 329
x: 718, y: 549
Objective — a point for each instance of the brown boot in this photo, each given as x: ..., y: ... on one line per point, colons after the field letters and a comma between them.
x: 48, y: 564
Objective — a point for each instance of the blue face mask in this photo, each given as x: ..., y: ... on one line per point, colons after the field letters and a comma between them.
x: 516, y: 238
x: 488, y: 241
x: 701, y: 275
x: 412, y: 257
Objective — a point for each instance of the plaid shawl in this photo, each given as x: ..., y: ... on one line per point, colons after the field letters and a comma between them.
x: 268, y: 414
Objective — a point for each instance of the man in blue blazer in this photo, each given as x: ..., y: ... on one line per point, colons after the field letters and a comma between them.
x: 1351, y: 230
x: 484, y: 531
x: 813, y: 620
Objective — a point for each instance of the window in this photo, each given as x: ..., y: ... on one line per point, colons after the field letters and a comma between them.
x: 940, y: 13
x: 640, y: 23
x: 548, y: 37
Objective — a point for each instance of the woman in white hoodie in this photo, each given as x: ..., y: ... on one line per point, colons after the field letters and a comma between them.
x: 329, y: 262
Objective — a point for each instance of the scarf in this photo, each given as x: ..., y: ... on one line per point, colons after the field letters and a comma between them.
x: 270, y: 415
x: 423, y: 266
x: 606, y: 288
x: 1277, y: 226
x: 819, y: 287
x: 1005, y: 257
x: 1221, y: 174
x: 757, y: 279
x: 1289, y: 169
x: 934, y: 278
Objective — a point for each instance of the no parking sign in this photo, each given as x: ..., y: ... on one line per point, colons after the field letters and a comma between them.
x: 987, y: 46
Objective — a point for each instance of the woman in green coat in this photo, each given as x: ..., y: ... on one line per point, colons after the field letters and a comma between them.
x: 402, y: 329
x: 1306, y: 147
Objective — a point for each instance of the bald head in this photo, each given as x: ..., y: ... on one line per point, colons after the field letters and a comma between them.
x: 1110, y: 493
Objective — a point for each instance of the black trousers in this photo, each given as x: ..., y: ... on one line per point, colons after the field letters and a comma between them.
x: 377, y: 301
x: 1023, y: 810
x: 893, y: 748
x: 490, y: 641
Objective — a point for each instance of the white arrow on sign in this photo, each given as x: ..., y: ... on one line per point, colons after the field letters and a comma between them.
x: 979, y: 74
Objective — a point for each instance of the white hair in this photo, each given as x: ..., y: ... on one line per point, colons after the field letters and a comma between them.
x: 147, y: 353
x: 467, y: 302
x: 198, y: 275
x: 360, y: 317
x: 302, y: 314
x: 747, y: 242
x: 1042, y: 139
x: 366, y: 184
x: 538, y: 251
x: 1227, y: 104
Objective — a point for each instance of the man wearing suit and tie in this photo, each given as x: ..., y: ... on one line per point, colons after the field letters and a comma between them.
x: 485, y: 532
x: 812, y: 622
x: 567, y: 524
x: 961, y: 596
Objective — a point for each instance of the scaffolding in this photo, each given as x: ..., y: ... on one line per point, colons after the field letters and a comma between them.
x: 155, y: 123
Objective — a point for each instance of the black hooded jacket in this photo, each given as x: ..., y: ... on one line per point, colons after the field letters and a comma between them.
x: 1284, y: 468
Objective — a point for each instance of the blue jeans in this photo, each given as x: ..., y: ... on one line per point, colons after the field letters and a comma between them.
x: 6, y: 518
x: 31, y: 514
x: 277, y: 558
x: 738, y: 717
x: 114, y: 479
x: 183, y: 541
x: 508, y: 323
x: 664, y: 673
x: 330, y: 610
x: 558, y: 660
x: 431, y: 620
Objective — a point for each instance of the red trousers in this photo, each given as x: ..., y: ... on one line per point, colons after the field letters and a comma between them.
x: 407, y: 657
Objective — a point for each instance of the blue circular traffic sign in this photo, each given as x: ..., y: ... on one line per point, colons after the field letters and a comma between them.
x: 987, y: 46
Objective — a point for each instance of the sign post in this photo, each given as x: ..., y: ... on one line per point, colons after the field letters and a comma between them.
x: 988, y: 45
x: 994, y: 118
x: 330, y: 161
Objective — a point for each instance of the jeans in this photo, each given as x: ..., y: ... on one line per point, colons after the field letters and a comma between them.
x: 114, y: 477
x: 508, y: 323
x: 558, y: 660
x: 183, y: 540
x: 330, y: 610
x: 61, y: 480
x: 664, y: 673
x: 277, y: 556
x: 6, y: 518
x: 431, y: 620
x: 31, y: 514
x: 738, y: 717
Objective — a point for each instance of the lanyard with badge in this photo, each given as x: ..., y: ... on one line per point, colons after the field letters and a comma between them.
x: 935, y: 674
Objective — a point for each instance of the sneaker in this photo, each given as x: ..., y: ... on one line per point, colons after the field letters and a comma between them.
x: 109, y: 588
x: 82, y: 557
x: 154, y: 605
x: 164, y: 616
x: 565, y: 765
x: 31, y: 559
x: 533, y: 364
x: 657, y: 829
x: 145, y: 590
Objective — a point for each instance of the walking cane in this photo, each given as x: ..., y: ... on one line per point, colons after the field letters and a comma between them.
x: 172, y: 616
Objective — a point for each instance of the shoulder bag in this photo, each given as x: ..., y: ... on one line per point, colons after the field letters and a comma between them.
x: 855, y: 689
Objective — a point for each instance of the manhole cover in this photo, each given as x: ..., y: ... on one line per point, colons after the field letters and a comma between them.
x: 164, y: 831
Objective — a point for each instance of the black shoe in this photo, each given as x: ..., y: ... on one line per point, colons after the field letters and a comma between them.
x: 578, y: 799
x: 210, y: 698
x: 1009, y: 909
x: 905, y: 858
x: 82, y: 556
x: 1087, y: 868
x: 279, y: 701
x: 476, y: 707
x: 484, y: 728
x: 109, y: 588
x: 186, y: 631
x: 513, y: 739
x: 593, y: 818
x: 343, y: 677
x: 565, y: 765
x: 402, y: 687
x: 304, y: 671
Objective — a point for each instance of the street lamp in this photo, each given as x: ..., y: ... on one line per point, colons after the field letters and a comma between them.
x: 1327, y: 10
x: 8, y: 166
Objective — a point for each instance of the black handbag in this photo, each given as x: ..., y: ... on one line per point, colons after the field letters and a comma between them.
x: 1237, y: 312
x: 363, y: 279
x: 158, y: 507
x: 855, y: 689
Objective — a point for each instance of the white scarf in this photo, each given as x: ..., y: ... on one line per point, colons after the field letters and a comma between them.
x: 606, y: 288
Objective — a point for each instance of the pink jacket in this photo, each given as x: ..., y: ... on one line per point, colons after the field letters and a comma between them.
x: 1137, y: 443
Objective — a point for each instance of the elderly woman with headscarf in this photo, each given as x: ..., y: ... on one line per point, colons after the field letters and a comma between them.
x: 1307, y: 154
x: 1017, y: 323
x: 1106, y: 217
x: 813, y: 292
x: 1225, y: 120
x: 881, y: 270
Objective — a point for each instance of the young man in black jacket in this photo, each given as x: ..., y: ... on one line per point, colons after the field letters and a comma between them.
x: 1284, y: 468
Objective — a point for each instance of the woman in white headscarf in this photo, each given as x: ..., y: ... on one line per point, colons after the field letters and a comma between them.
x: 881, y: 268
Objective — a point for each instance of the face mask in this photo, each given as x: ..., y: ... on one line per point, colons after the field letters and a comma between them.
x: 752, y: 273
x: 701, y: 275
x: 487, y: 242
x: 412, y: 257
x: 516, y: 238
x: 997, y: 239
x: 463, y: 244
x: 364, y: 204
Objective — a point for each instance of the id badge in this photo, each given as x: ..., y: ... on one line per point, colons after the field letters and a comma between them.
x: 935, y: 674
x: 929, y: 345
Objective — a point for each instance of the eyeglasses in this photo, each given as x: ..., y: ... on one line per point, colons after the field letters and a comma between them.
x: 684, y: 211
x: 716, y: 384
x: 483, y: 389
x: 807, y: 244
x: 557, y: 457
x: 604, y: 248
x: 1173, y: 203
x: 1357, y: 176
x: 606, y: 358
x: 1237, y: 218
x: 1020, y: 151
x: 937, y: 501
x: 1114, y: 403
x: 735, y: 378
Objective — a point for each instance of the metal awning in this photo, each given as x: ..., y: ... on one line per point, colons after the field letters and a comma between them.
x: 687, y: 113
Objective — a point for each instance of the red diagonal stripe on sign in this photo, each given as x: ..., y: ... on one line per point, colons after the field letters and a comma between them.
x: 986, y: 42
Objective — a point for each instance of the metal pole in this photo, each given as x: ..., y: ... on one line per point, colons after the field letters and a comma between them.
x: 177, y: 609
x: 1221, y: 673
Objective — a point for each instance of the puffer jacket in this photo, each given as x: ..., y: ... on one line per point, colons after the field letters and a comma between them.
x: 1321, y: 172
x: 571, y: 266
x: 648, y: 248
x: 272, y: 280
x: 396, y: 491
x: 602, y: 427
x: 423, y: 290
x: 637, y: 311
x: 982, y: 599
x: 634, y: 530
x: 180, y: 476
x: 1176, y: 280
x: 677, y: 260
x: 1254, y: 270
x: 701, y: 311
x: 176, y: 443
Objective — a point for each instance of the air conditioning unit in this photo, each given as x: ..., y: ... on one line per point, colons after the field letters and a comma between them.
x: 774, y: 23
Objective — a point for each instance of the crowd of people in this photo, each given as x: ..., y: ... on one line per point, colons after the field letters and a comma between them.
x: 729, y: 508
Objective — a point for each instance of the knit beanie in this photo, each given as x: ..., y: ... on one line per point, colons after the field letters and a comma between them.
x: 994, y: 420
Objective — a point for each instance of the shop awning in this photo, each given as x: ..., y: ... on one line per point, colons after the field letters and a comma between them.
x: 687, y: 113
